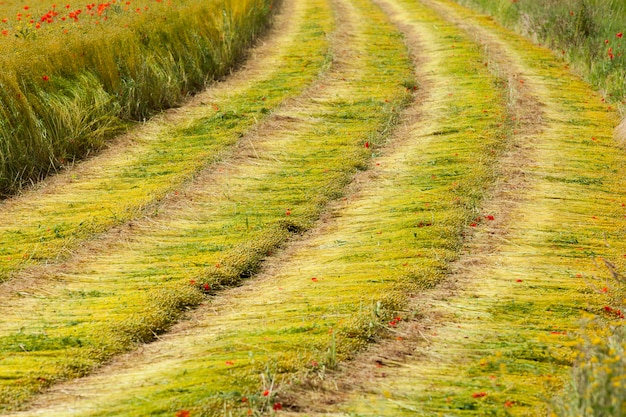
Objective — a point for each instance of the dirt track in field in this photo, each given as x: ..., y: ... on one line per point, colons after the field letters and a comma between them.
x: 494, y: 273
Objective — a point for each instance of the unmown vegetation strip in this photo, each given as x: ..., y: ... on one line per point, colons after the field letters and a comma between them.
x: 336, y: 290
x: 220, y: 227
x: 503, y: 344
x: 61, y: 99
x: 130, y: 179
x: 589, y: 34
x: 43, y: 223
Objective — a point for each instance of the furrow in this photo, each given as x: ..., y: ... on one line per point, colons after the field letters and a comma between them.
x: 497, y: 338
x: 131, y: 285
x: 331, y: 293
x: 132, y: 177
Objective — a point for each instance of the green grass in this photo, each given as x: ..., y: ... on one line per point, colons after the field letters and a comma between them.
x: 61, y: 100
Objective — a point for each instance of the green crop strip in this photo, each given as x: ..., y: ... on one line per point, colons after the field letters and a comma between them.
x: 125, y: 289
x: 338, y: 289
x: 505, y: 342
x: 127, y: 182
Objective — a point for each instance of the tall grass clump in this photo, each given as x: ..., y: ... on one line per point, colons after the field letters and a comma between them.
x: 66, y: 86
x: 597, y: 387
x: 589, y: 33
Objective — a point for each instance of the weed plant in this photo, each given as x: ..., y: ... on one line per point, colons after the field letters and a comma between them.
x: 589, y: 33
x: 72, y: 76
x: 598, y: 384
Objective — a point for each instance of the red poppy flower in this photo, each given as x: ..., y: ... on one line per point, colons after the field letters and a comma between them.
x: 182, y: 413
x: 277, y: 406
x: 619, y: 35
x: 479, y: 394
x: 266, y: 393
x: 45, y: 78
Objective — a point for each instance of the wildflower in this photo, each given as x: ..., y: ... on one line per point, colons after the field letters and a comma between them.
x: 244, y: 399
x: 367, y: 145
x: 479, y: 394
x: 45, y: 78
x: 518, y: 280
x: 266, y: 393
x: 619, y: 35
x: 277, y: 406
x: 490, y: 217
x: 207, y: 287
x: 230, y: 363
x: 606, y: 41
x: 508, y: 404
x: 314, y: 279
x: 182, y: 413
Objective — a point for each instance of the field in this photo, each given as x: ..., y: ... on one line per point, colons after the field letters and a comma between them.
x: 75, y: 74
x: 351, y: 208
